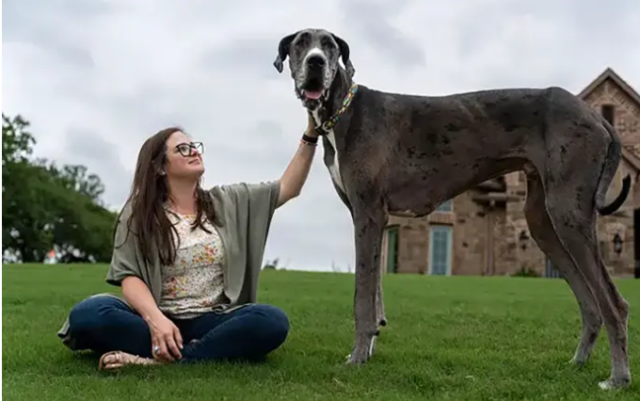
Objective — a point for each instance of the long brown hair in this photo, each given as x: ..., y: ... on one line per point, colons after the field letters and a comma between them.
x: 149, y: 192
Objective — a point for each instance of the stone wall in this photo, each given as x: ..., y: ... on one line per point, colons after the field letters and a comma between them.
x: 413, y: 238
x: 469, y: 234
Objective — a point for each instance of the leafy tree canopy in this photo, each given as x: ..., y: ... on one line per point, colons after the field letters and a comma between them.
x: 46, y: 206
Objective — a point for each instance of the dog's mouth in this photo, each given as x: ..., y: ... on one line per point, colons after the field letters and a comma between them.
x: 312, y: 94
x: 312, y: 89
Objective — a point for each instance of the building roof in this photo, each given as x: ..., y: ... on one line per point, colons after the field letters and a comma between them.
x: 609, y: 73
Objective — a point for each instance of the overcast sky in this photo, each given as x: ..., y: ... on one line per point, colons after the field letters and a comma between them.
x: 95, y: 78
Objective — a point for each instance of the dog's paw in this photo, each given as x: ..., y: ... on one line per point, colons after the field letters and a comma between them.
x: 361, y: 354
x: 615, y: 384
x: 577, y: 362
x: 357, y: 358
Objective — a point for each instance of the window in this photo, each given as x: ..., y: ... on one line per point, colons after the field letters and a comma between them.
x: 392, y: 249
x: 440, y: 244
x: 608, y: 112
x: 445, y: 206
x: 550, y: 270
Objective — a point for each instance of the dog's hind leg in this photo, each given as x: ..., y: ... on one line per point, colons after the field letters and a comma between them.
x: 570, y: 207
x: 369, y: 221
x: 544, y: 235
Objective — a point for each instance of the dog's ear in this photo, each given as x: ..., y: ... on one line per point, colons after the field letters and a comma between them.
x: 344, y: 52
x: 283, y: 51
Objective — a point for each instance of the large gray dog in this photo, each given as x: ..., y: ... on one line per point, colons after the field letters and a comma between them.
x: 395, y: 154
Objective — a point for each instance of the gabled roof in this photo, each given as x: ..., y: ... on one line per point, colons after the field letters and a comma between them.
x: 609, y: 73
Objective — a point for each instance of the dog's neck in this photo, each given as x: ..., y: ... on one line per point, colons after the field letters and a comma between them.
x: 337, y: 93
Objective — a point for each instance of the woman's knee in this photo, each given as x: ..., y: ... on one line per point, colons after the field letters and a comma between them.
x: 90, y: 313
x: 271, y: 323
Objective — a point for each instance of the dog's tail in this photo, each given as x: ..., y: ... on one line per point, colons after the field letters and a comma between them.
x: 611, y: 162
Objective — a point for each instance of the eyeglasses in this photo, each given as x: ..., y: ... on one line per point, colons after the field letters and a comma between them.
x: 187, y: 149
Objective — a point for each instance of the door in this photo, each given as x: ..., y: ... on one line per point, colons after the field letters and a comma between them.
x: 440, y: 249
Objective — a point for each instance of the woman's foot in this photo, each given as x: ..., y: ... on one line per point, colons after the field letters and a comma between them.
x: 118, y: 359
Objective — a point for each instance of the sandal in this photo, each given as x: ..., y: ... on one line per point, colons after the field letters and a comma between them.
x: 118, y: 359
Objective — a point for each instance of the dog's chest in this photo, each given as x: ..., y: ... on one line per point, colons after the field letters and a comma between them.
x: 334, y: 168
x: 334, y: 165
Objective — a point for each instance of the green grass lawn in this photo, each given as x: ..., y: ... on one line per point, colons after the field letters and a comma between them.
x: 448, y: 338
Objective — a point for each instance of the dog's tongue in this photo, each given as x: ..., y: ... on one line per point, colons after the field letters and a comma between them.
x: 313, y: 94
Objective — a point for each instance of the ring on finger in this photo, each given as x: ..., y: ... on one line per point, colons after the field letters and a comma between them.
x: 156, y: 349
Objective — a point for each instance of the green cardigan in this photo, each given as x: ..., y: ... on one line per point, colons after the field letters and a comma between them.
x: 246, y: 211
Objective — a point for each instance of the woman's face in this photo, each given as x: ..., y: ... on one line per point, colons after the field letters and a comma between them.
x: 184, y: 157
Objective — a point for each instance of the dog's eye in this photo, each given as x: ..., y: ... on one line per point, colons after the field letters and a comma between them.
x: 327, y: 43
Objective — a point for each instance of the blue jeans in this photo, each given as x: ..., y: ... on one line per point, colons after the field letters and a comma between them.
x: 104, y: 324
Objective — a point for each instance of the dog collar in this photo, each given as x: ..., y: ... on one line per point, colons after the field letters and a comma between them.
x: 331, y: 122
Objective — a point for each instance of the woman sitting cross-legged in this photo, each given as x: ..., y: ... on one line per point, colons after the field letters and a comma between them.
x: 188, y: 261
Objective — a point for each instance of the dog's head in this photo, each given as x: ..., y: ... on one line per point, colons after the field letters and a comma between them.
x: 313, y: 61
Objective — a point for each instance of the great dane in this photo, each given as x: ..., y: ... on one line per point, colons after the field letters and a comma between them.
x: 397, y: 154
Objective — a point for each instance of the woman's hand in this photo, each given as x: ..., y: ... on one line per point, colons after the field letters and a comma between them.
x: 311, y: 126
x: 166, y: 340
x: 164, y: 334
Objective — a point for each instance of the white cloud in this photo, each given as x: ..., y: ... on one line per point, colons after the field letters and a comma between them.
x: 96, y: 78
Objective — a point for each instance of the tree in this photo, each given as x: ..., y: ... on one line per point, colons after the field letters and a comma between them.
x: 22, y: 212
x: 271, y: 264
x: 17, y: 142
x: 45, y: 206
x: 76, y: 178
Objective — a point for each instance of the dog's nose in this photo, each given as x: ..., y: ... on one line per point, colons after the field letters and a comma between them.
x: 315, y: 61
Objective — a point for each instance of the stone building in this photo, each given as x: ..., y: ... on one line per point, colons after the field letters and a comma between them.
x: 483, y: 231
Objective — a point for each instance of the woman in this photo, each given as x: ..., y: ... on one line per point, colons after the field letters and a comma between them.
x: 188, y: 261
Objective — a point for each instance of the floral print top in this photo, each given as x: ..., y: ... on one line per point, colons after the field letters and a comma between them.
x: 193, y: 284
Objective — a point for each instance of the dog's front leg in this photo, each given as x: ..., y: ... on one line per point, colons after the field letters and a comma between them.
x: 380, y: 316
x: 368, y: 226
